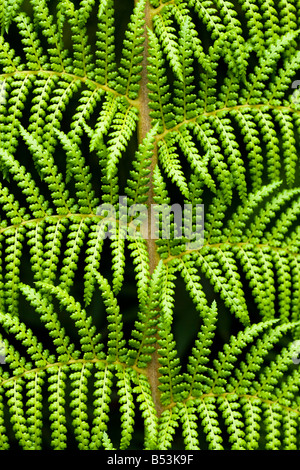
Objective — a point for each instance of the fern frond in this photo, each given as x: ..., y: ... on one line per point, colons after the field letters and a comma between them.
x: 139, y: 253
x: 57, y: 385
x: 79, y: 383
x: 171, y: 164
x: 123, y: 125
x: 159, y: 89
x: 56, y: 331
x: 82, y: 62
x: 209, y: 420
x: 116, y: 342
x: 102, y: 392
x: 198, y: 164
x: 204, y: 133
x: 126, y: 408
x: 32, y: 47
x: 127, y: 132
x: 166, y: 33
x: 89, y: 340
x: 81, y: 173
x: 45, y: 165
x: 137, y: 186
x: 145, y: 329
x: 143, y: 392
x: 58, y: 54
x: 170, y: 377
x: 36, y: 202
x: 106, y: 116
x: 189, y: 426
x: 129, y: 71
x: 8, y: 11
x: 196, y: 368
x: 105, y: 56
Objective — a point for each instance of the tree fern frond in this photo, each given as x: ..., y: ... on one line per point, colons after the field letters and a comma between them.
x: 198, y: 164
x: 145, y: 329
x: 198, y: 359
x: 64, y: 348
x: 105, y: 56
x: 123, y: 125
x: 167, y: 428
x: 58, y: 54
x: 53, y: 240
x: 79, y: 382
x: 136, y: 188
x: 266, y: 66
x: 81, y: 173
x: 48, y: 171
x: 189, y: 426
x: 126, y: 408
x: 255, y: 25
x: 118, y: 260
x: 209, y: 416
x: 37, y: 203
x: 89, y: 341
x: 105, y: 119
x: 102, y: 394
x: 138, y: 251
x: 19, y: 90
x: 149, y: 225
x: 57, y: 384
x: 143, y: 392
x: 171, y: 164
x: 129, y: 71
x: 82, y: 63
x: 32, y: 47
x: 232, y: 153
x: 204, y: 133
x: 8, y: 11
x: 166, y: 33
x: 271, y: 25
x: 116, y: 342
x: 189, y: 39
x: 170, y: 378
x: 159, y: 89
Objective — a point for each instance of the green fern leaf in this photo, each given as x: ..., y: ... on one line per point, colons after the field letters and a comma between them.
x: 149, y: 225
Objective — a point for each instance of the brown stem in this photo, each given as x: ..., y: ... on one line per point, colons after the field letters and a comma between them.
x: 143, y: 128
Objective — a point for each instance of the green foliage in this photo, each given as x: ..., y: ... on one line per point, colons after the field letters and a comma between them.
x: 115, y: 339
